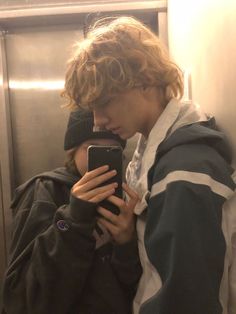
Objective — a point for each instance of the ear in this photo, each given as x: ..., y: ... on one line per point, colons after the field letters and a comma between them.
x: 143, y: 90
x: 146, y: 91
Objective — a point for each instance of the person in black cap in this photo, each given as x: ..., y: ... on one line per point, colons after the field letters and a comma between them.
x: 62, y: 258
x: 78, y: 137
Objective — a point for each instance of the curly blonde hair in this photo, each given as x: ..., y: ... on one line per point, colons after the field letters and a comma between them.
x: 118, y: 55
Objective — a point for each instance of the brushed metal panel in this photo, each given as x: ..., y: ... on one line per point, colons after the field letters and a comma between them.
x: 12, y: 19
x: 26, y: 4
x: 6, y: 160
x: 38, y: 122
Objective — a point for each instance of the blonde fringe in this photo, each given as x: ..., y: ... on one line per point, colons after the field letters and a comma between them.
x: 117, y: 57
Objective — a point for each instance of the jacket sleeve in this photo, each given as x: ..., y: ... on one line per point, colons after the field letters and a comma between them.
x: 52, y: 250
x: 185, y: 244
x: 229, y: 214
x: 126, y: 264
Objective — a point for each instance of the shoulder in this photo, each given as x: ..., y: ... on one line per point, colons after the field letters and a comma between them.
x: 192, y: 167
x: 194, y: 158
x: 40, y: 189
x: 191, y: 155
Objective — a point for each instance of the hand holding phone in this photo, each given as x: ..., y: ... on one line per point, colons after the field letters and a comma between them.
x: 90, y: 188
x: 121, y: 227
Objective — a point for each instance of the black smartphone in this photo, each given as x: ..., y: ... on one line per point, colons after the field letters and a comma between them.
x: 112, y: 156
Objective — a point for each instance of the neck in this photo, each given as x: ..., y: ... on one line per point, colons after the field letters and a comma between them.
x: 155, y: 109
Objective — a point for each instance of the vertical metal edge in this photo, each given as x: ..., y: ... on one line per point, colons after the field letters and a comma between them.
x: 162, y: 21
x: 6, y: 151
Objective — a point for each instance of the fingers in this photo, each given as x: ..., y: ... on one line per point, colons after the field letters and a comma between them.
x: 116, y: 201
x: 129, y: 191
x: 94, y: 173
x: 94, y: 181
x: 121, y: 227
x: 125, y: 206
x: 81, y: 190
x: 102, y: 196
x: 89, y: 185
x: 108, y: 215
x: 134, y: 197
x: 96, y: 195
x: 108, y: 220
x: 109, y: 226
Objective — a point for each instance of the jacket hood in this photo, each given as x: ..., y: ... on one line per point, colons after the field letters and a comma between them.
x: 205, y: 132
x: 60, y: 175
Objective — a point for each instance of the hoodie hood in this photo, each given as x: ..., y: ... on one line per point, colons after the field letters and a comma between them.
x: 180, y: 123
x: 204, y: 132
x: 60, y: 175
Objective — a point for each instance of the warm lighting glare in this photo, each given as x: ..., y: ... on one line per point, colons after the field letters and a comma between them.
x: 187, y: 85
x: 44, y: 85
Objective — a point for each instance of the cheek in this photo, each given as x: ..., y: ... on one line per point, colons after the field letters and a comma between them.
x: 81, y: 167
x: 115, y: 111
x: 81, y: 162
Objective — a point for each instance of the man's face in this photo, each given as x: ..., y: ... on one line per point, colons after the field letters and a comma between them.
x: 81, y: 159
x: 133, y: 111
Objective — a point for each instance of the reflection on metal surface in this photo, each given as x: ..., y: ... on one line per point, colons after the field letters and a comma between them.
x: 36, y: 60
x: 42, y: 85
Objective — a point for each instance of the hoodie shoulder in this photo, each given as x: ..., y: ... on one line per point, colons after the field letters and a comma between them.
x: 60, y: 175
x: 57, y: 176
x: 196, y: 148
x: 205, y: 132
x: 197, y: 158
x: 195, y: 166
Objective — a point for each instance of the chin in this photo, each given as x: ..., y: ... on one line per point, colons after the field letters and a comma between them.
x: 128, y: 135
x: 125, y: 136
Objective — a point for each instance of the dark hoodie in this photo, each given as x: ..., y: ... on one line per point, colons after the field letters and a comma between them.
x: 56, y: 265
x: 182, y: 230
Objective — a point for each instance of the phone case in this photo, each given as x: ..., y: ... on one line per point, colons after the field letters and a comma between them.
x: 112, y: 156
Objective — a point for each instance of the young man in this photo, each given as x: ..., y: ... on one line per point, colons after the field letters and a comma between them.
x: 180, y: 169
x: 63, y: 259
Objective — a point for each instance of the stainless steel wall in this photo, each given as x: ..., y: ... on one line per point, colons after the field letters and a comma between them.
x: 33, y: 54
x: 36, y: 64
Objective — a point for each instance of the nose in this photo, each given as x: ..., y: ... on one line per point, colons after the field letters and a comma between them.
x: 100, y: 119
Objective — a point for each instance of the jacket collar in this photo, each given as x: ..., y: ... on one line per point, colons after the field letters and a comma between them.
x: 175, y: 115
